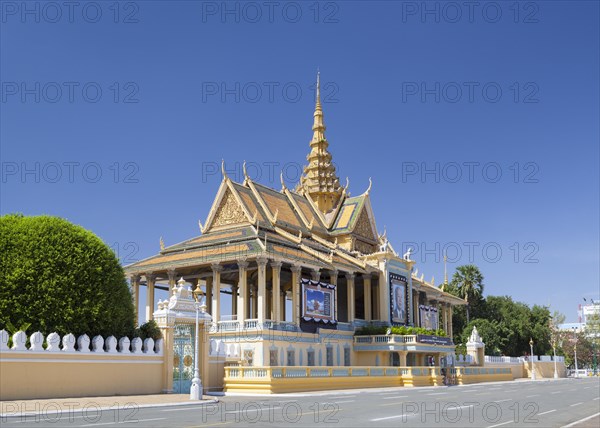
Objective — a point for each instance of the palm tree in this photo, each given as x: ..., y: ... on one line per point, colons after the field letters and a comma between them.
x: 468, y: 281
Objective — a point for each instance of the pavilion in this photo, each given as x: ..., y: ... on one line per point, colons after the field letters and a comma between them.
x: 306, y: 263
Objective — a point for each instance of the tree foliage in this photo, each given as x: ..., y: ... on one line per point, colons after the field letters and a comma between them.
x: 61, y: 278
x: 468, y: 283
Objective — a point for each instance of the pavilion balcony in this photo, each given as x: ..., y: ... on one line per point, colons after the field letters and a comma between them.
x: 395, y: 342
x: 255, y: 325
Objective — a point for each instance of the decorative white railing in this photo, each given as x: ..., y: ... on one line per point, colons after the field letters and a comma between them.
x: 321, y: 372
x: 519, y: 360
x: 69, y: 343
x: 392, y: 338
x: 254, y: 324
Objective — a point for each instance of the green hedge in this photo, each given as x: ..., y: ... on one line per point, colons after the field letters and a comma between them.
x: 372, y: 330
x: 61, y: 278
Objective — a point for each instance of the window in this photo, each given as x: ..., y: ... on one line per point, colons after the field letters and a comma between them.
x: 273, y: 357
x: 310, y: 356
x: 291, y: 358
x: 248, y: 357
x: 329, y: 356
x: 346, y: 356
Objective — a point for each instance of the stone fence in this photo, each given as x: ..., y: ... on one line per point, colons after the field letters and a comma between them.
x: 55, y: 367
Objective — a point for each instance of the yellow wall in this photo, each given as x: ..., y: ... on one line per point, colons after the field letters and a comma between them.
x: 544, y: 369
x: 27, y: 375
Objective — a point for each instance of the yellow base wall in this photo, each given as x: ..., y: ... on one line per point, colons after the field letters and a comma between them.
x: 55, y: 375
x: 544, y: 369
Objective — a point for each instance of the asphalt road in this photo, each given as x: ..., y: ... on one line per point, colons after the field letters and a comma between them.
x: 508, y: 404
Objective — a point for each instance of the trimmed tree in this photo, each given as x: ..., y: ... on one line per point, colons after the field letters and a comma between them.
x: 59, y: 277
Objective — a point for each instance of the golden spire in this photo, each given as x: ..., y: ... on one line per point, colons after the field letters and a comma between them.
x: 320, y: 180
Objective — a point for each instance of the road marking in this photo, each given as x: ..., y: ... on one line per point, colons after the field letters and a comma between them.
x: 124, y: 422
x: 597, y: 398
x: 343, y: 396
x: 392, y: 417
x: 556, y: 392
x: 576, y: 404
x: 469, y: 390
x: 438, y: 393
x: 346, y: 401
x: 534, y: 395
x: 545, y: 413
x: 394, y: 397
x: 572, y: 424
x: 498, y: 425
x: 502, y: 401
x: 184, y: 408
x: 388, y: 393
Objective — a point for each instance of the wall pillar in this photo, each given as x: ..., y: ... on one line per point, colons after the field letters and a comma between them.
x: 296, y: 271
x: 135, y: 294
x: 384, y: 309
x: 333, y: 277
x: 262, y: 289
x: 367, y: 296
x: 351, y: 307
x: 216, y: 295
x: 150, y: 278
x: 209, y: 294
x: 242, y: 300
x: 276, y: 292
x: 234, y: 299
x: 450, y: 333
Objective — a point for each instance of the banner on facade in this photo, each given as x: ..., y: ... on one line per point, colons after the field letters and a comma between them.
x: 398, y: 299
x: 429, y: 317
x: 434, y: 340
x: 318, y: 300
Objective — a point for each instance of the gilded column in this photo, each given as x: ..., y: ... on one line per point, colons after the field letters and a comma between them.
x: 333, y: 276
x: 150, y: 278
x: 262, y: 288
x: 216, y: 295
x: 367, y: 296
x: 172, y: 280
x: 275, y: 298
x: 242, y: 299
x: 209, y: 294
x: 135, y: 294
x: 350, y: 292
x: 296, y: 270
x: 384, y: 308
x: 450, y: 332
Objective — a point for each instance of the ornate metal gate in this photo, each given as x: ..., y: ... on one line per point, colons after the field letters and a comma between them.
x: 183, y: 358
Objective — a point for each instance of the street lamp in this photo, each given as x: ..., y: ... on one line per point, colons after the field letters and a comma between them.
x: 576, y: 368
x: 554, y: 351
x: 532, y: 368
x: 196, y: 389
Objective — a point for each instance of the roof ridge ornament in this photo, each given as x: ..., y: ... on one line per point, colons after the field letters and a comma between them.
x: 283, y: 187
x: 246, y: 178
x: 223, y: 169
x: 369, y: 188
x: 162, y: 243
x: 202, y: 227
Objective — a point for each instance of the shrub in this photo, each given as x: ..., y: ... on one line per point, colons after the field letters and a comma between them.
x: 60, y: 277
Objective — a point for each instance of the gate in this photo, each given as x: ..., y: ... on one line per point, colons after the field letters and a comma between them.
x: 183, y: 358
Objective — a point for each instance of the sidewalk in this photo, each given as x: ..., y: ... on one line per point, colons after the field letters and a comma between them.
x: 96, y: 404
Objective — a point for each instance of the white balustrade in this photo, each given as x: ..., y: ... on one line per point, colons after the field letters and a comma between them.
x: 99, y: 345
x: 37, y: 341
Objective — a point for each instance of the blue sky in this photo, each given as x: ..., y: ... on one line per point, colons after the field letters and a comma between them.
x: 114, y: 115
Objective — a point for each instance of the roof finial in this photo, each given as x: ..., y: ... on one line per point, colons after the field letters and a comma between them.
x: 223, y: 168
x: 318, y: 94
x: 445, y: 271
